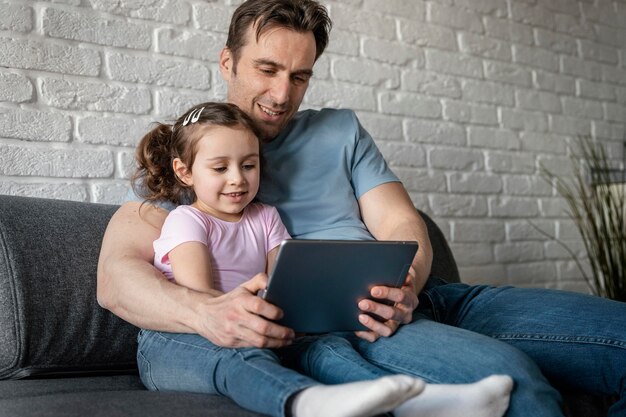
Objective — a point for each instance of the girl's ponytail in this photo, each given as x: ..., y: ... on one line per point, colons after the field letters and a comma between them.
x: 154, y: 178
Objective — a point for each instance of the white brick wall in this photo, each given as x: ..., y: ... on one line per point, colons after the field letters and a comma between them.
x: 464, y: 97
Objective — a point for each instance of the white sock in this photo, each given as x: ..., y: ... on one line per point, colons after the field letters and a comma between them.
x: 488, y: 397
x: 356, y: 399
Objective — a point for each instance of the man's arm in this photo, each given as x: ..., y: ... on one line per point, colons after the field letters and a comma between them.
x: 132, y: 288
x: 389, y: 214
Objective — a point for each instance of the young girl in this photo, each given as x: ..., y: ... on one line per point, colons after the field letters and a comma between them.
x: 210, y: 159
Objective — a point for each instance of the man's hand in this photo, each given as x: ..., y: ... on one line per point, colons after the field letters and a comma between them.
x: 240, y: 318
x: 404, y: 302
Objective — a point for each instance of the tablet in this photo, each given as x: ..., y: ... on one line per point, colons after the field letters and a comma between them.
x: 318, y: 283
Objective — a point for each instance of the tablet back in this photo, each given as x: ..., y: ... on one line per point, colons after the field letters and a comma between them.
x: 318, y: 284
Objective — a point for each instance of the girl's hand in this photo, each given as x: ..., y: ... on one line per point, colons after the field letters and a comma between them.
x: 400, y: 311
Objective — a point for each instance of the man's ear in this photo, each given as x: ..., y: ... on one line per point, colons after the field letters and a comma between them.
x: 226, y: 63
x: 181, y: 172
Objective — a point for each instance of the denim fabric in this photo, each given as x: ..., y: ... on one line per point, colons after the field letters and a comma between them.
x: 577, y: 340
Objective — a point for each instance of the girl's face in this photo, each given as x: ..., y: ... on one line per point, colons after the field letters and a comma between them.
x: 225, y: 173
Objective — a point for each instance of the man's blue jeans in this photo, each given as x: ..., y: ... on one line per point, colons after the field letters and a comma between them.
x: 459, y: 334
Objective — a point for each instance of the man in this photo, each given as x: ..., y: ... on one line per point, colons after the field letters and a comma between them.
x: 328, y: 180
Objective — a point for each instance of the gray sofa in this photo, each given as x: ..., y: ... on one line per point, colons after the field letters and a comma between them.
x: 63, y: 355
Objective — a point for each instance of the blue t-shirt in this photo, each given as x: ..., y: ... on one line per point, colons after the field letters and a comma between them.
x: 315, y: 171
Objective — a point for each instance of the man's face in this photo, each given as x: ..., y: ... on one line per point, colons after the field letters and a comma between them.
x: 270, y: 77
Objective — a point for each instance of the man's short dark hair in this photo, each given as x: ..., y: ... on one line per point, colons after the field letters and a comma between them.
x: 298, y: 15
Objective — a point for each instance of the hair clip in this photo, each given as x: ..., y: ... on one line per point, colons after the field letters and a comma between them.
x: 193, y: 116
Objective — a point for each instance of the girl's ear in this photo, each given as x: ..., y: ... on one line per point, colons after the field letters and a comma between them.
x: 181, y: 171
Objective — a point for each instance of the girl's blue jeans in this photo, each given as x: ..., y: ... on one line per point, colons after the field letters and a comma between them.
x: 459, y: 334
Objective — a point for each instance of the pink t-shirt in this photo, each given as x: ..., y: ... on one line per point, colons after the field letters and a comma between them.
x: 238, y: 250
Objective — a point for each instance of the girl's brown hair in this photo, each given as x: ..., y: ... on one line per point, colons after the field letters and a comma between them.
x: 154, y: 178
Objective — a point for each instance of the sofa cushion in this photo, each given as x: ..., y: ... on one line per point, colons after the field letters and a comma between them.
x: 50, y: 321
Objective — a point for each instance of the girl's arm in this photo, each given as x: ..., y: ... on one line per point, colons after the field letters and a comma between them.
x: 271, y: 259
x: 191, y: 265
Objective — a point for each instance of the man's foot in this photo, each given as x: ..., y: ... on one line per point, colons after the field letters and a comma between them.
x: 488, y: 397
x: 357, y: 399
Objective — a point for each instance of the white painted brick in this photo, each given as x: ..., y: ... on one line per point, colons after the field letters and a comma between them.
x: 569, y: 126
x: 464, y: 112
x: 602, y: 14
x: 382, y: 127
x: 321, y: 69
x: 607, y: 130
x: 453, y: 63
x: 474, y: 183
x: 365, y: 22
x: 96, y: 96
x: 17, y: 18
x: 614, y: 113
x: 563, y: 6
x: 47, y: 56
x: 509, y: 31
x: 532, y: 14
x: 343, y: 42
x: 71, y: 2
x: 116, y: 131
x: 526, y: 185
x: 597, y: 52
x: 510, y: 162
x: 457, y: 159
x: 401, y: 8
x: 34, y: 125
x: 427, y: 35
x: 488, y: 92
x: 161, y: 72
x: 92, y: 27
x: 424, y: 181
x: 613, y: 75
x: 543, y: 142
x: 403, y: 154
x: 552, y: 207
x: 538, y: 101
x: 211, y: 16
x: 519, y: 252
x: 556, y: 42
x: 508, y: 73
x: 451, y: 205
x: 392, y: 52
x: 172, y: 104
x: 574, y: 26
x: 366, y: 72
x: 481, y: 231
x: 471, y: 254
x: 580, y: 68
x: 497, y: 8
x: 46, y: 162
x: 567, y: 230
x: 126, y: 164
x: 192, y: 44
x: 536, y: 57
x: 611, y: 36
x: 557, y: 83
x: 494, y: 274
x: 556, y: 164
x: 408, y: 104
x: 419, y: 200
x: 556, y: 250
x: 522, y: 120
x: 532, y: 273
x: 513, y: 207
x: 530, y: 229
x: 487, y: 137
x: 334, y: 94
x: 454, y: 17
x: 484, y: 46
x: 15, y: 88
x: 59, y: 191
x: 438, y: 132
x: 621, y: 95
x: 170, y: 11
x: 109, y: 193
x: 582, y: 108
x: 431, y: 83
